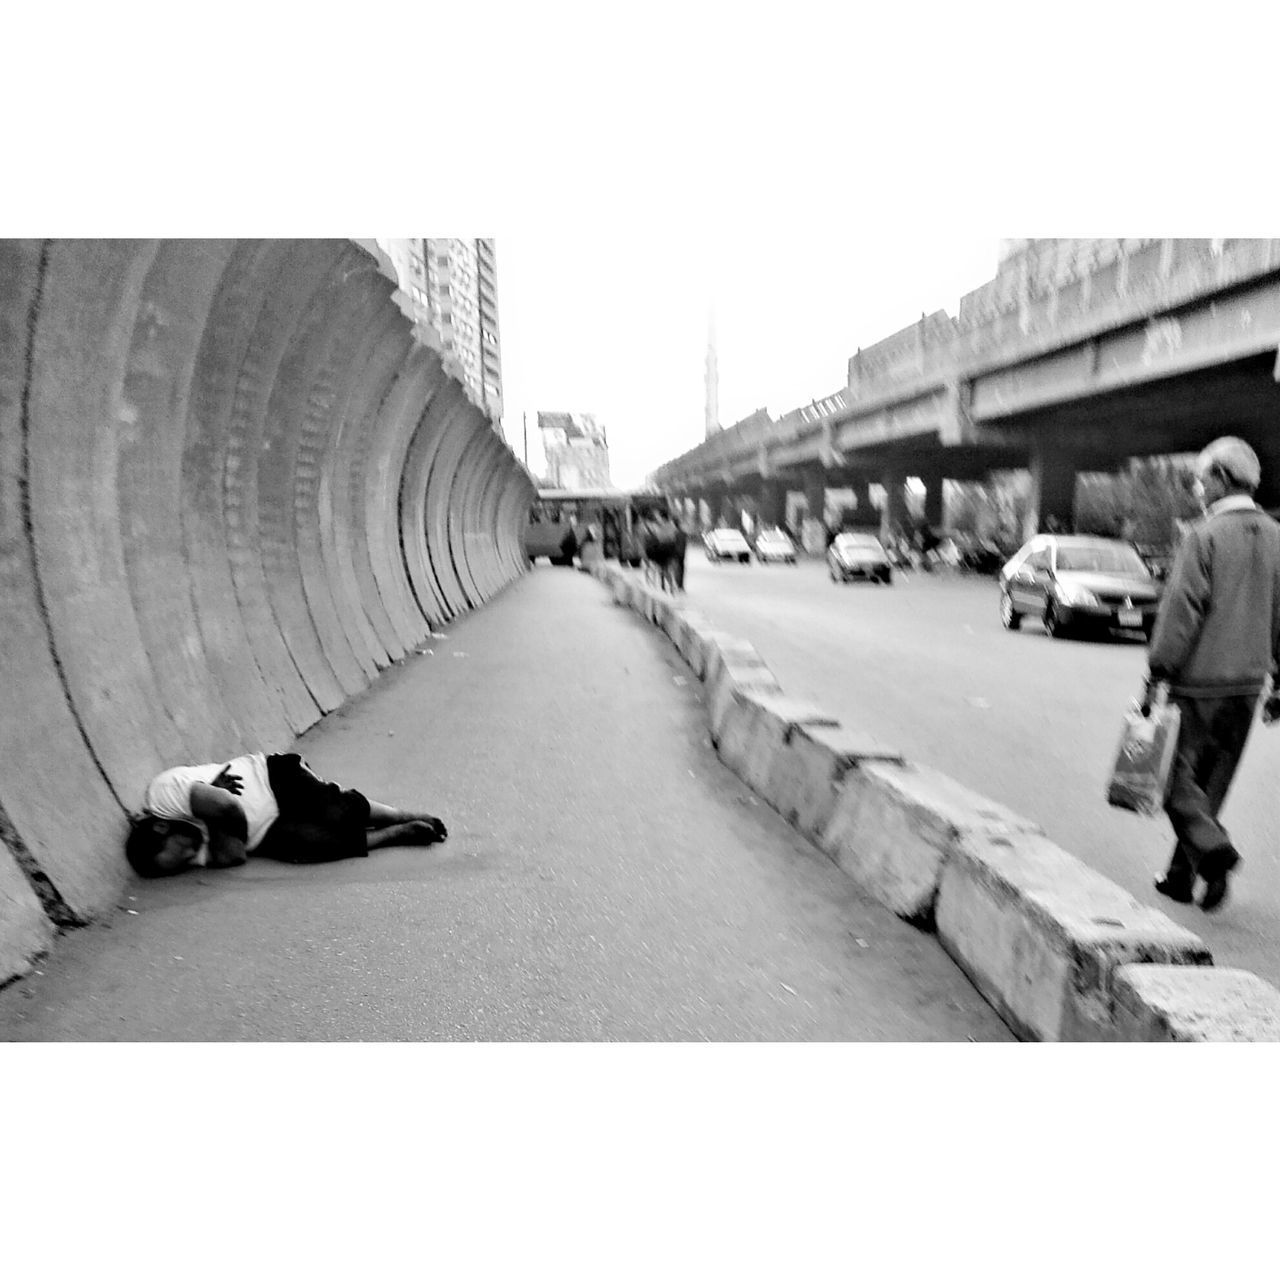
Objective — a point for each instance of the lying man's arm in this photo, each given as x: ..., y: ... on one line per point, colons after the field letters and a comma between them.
x: 223, y: 814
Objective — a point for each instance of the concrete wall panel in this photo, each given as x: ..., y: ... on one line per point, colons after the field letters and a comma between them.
x: 254, y: 702
x: 52, y: 787
x: 445, y: 414
x: 355, y: 449
x: 484, y: 539
x: 218, y: 468
x: 413, y: 516
x: 394, y: 428
x: 288, y: 479
x: 336, y: 518
x: 79, y: 419
x: 314, y: 439
x: 176, y: 299
x: 462, y: 513
x: 301, y: 273
x: 25, y: 930
x: 453, y: 449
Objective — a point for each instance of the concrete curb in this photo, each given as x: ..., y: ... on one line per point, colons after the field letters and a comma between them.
x: 1057, y: 949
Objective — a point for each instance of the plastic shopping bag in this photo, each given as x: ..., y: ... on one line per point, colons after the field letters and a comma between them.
x: 1144, y: 759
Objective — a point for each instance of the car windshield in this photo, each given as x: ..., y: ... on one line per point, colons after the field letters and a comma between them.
x: 1102, y: 558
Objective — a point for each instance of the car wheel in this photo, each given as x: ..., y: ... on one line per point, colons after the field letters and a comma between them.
x: 1009, y: 616
x: 1148, y: 629
x: 1052, y: 623
x: 887, y: 578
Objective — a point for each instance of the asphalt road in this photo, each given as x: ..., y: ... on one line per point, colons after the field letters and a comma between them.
x: 606, y: 877
x: 1026, y: 720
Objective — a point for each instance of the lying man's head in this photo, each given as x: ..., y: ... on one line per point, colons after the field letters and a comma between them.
x: 162, y: 846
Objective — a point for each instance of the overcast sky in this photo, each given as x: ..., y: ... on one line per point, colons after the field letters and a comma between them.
x: 820, y: 176
x: 616, y: 324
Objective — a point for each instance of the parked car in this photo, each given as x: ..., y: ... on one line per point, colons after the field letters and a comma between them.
x: 773, y: 544
x: 727, y: 544
x: 858, y: 555
x: 1077, y: 582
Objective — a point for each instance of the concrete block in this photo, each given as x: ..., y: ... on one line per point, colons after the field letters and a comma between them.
x: 699, y: 633
x: 1041, y: 935
x: 1160, y: 1002
x: 624, y: 591
x: 25, y: 930
x: 663, y: 611
x: 648, y: 602
x: 893, y: 827
x: 807, y: 775
x: 755, y: 731
x: 733, y: 665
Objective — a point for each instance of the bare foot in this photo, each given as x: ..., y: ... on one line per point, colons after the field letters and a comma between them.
x: 426, y: 830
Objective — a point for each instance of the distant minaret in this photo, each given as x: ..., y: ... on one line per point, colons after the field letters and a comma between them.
x: 713, y: 379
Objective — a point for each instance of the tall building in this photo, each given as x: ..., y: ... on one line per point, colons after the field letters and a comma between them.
x: 576, y: 448
x: 490, y: 336
x: 712, y: 379
x: 450, y: 289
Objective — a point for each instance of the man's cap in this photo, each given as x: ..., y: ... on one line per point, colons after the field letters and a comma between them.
x: 1233, y: 456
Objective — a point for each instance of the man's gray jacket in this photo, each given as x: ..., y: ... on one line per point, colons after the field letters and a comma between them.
x: 1218, y: 630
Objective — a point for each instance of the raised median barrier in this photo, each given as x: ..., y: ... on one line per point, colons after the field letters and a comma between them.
x: 1057, y: 949
x: 233, y: 488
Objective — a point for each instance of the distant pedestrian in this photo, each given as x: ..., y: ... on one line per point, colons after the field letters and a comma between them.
x: 1216, y: 643
x: 273, y: 806
x: 678, y: 555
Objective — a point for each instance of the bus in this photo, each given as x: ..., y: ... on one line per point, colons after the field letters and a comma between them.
x: 564, y: 522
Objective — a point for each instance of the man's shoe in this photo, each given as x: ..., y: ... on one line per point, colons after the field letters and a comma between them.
x: 1215, y: 893
x: 1178, y: 890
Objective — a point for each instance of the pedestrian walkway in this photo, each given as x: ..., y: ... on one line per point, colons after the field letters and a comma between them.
x: 606, y: 878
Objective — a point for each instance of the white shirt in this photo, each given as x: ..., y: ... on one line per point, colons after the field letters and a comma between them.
x: 169, y: 796
x: 1233, y: 502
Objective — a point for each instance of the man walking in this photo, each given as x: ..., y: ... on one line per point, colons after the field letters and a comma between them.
x: 1216, y: 642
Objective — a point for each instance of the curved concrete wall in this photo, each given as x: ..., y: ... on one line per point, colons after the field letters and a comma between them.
x: 232, y: 489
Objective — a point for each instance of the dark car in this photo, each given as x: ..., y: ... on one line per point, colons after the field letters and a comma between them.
x: 858, y: 555
x: 1074, y: 582
x: 969, y: 552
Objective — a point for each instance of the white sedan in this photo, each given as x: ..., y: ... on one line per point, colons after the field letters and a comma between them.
x: 858, y: 555
x: 773, y: 544
x: 727, y: 544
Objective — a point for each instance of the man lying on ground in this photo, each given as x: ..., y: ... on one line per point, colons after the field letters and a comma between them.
x: 273, y: 806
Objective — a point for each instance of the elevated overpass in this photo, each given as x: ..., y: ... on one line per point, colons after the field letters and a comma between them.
x: 1170, y: 344
x: 233, y: 488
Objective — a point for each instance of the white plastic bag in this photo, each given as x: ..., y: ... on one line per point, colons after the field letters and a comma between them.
x: 1144, y: 758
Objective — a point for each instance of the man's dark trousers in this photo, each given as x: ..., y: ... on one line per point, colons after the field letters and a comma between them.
x: 1210, y: 743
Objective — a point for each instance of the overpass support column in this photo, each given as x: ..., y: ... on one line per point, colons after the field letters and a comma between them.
x: 861, y: 487
x: 934, y: 513
x: 773, y: 504
x: 815, y: 493
x: 894, y: 516
x: 1053, y: 490
x: 704, y: 509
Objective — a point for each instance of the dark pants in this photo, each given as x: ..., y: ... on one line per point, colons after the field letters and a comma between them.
x: 319, y: 821
x: 1210, y: 743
